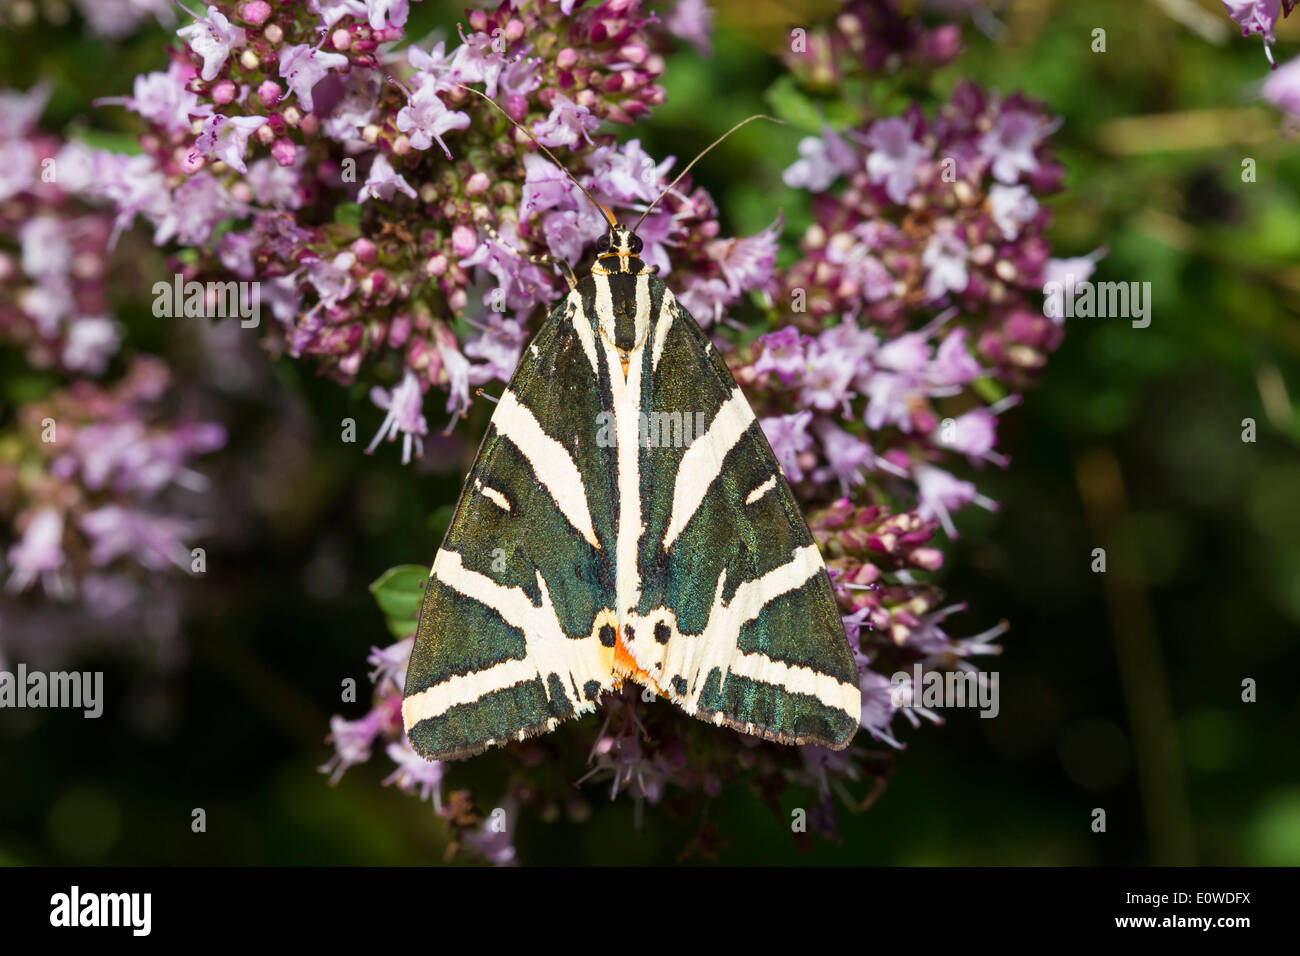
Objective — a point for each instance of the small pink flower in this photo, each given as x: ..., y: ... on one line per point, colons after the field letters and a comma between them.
x: 383, y: 181
x: 404, y: 404
x: 426, y: 117
x: 212, y: 38
x: 568, y: 124
x: 226, y: 138
x: 40, y: 552
x: 302, y: 67
x: 1282, y: 88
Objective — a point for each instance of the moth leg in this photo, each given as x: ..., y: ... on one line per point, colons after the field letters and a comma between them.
x: 545, y: 259
x: 539, y: 258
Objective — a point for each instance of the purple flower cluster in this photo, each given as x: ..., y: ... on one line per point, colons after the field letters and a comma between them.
x: 85, y: 480
x: 920, y: 279
x: 387, y: 211
x: 53, y: 304
x: 936, y: 213
x: 109, y: 18
x: 868, y: 36
x: 88, y: 470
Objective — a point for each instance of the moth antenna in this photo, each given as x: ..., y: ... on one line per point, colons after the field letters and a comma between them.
x: 529, y: 133
x: 756, y: 116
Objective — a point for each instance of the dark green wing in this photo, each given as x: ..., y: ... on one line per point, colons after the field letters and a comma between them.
x: 516, y: 630
x: 737, y: 622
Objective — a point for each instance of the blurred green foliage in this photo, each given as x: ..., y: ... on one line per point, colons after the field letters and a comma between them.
x: 1133, y: 443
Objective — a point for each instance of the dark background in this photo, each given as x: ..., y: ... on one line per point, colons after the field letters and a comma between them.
x: 1120, y: 691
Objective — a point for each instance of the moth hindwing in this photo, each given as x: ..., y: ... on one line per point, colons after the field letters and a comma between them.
x: 625, y: 519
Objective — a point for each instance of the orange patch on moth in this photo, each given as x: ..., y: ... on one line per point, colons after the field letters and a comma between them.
x: 625, y: 663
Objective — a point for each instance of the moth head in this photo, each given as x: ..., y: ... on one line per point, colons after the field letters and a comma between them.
x: 617, y: 245
x: 623, y: 302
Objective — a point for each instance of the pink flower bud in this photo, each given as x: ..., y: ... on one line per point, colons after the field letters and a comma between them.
x: 224, y: 91
x: 566, y: 58
x: 399, y: 331
x: 364, y: 250
x: 402, y: 145
x: 517, y: 107
x: 633, y: 53
x: 284, y: 152
x: 477, y: 184
x: 514, y: 29
x: 457, y: 299
x: 420, y: 355
x: 463, y: 240
x: 942, y: 43
x: 373, y: 283
x: 255, y: 12
x: 350, y: 364
x: 341, y: 39
x: 269, y: 92
x: 929, y: 558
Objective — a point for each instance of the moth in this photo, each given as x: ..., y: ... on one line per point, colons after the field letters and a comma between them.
x: 582, y: 554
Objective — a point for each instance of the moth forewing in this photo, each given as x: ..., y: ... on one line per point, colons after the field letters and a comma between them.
x: 515, y: 631
x: 736, y: 620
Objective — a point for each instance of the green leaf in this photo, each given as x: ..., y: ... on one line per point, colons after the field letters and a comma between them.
x: 989, y: 388
x: 399, y: 593
x: 25, y: 387
x: 112, y: 140
x: 789, y: 103
x: 348, y: 214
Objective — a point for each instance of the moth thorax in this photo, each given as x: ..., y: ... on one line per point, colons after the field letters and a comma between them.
x: 625, y: 322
